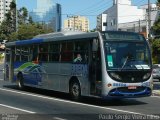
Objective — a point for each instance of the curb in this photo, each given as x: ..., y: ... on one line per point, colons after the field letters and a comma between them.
x: 156, y: 93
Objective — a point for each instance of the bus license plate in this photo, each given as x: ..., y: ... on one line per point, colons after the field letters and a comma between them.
x: 132, y: 87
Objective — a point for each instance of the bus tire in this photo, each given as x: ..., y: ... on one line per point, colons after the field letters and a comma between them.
x: 20, y: 81
x: 75, y: 90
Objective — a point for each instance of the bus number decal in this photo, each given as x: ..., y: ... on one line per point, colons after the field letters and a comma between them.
x: 119, y: 85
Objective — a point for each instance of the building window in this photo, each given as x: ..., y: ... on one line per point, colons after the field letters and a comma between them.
x: 105, y: 24
x: 114, y: 22
x: 111, y: 23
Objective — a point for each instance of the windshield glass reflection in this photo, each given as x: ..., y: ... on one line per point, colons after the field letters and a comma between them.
x: 127, y: 55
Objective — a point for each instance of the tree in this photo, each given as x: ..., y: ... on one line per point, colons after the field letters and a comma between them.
x: 28, y: 31
x: 156, y: 42
x: 22, y: 15
x: 156, y: 26
x: 9, y: 24
x: 156, y: 51
x: 158, y: 3
x: 30, y: 20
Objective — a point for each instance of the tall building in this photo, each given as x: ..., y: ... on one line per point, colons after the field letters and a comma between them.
x: 4, y: 8
x: 49, y: 13
x: 141, y: 26
x: 126, y: 17
x: 122, y: 12
x: 76, y: 23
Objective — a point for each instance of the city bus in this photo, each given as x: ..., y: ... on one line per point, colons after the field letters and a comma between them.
x: 111, y: 64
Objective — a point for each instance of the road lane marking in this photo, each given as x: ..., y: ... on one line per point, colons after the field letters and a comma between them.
x: 58, y: 118
x: 15, y: 108
x: 66, y: 101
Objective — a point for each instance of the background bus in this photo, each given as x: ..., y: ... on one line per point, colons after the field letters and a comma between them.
x: 112, y: 64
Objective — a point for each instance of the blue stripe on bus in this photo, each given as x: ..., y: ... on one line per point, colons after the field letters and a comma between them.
x: 31, y: 41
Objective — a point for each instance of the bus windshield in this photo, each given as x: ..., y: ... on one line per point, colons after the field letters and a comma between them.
x: 127, y: 55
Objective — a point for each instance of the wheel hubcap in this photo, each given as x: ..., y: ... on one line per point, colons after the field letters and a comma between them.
x: 75, y: 90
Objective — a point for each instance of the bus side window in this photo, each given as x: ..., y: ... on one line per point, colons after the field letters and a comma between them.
x: 34, y: 53
x: 67, y: 52
x: 81, y: 47
x: 43, y: 52
x: 17, y: 54
x: 54, y: 52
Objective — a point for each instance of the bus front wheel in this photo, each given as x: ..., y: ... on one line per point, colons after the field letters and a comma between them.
x: 75, y: 90
x: 20, y: 81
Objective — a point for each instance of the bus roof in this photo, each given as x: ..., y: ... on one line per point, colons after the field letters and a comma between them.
x: 71, y: 35
x: 58, y: 36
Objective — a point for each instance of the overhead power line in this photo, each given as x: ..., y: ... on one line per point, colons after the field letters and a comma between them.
x: 95, y: 7
x: 90, y: 7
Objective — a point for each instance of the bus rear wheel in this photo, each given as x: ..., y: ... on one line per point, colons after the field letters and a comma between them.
x: 20, y: 81
x: 75, y: 91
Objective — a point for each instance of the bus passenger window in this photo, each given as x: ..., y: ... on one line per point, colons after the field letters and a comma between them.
x: 67, y: 52
x: 34, y: 53
x: 54, y: 52
x: 78, y: 58
x: 17, y: 54
x: 43, y: 55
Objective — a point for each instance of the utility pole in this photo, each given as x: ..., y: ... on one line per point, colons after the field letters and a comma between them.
x: 139, y: 29
x: 16, y: 16
x: 149, y: 21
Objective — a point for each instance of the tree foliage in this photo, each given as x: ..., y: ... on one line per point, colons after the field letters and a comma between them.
x: 26, y: 28
x: 156, y: 41
x: 158, y: 3
x: 156, y: 51
x: 156, y: 26
x: 9, y: 24
x: 22, y: 15
x: 28, y: 31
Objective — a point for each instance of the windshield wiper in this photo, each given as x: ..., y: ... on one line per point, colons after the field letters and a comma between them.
x: 128, y: 58
x: 125, y: 61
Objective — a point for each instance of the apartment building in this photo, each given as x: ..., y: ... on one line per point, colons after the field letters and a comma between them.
x: 122, y: 11
x: 4, y: 8
x: 127, y: 17
x: 76, y: 23
x: 49, y: 13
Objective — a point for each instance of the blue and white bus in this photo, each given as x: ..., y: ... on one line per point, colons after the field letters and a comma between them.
x: 111, y: 64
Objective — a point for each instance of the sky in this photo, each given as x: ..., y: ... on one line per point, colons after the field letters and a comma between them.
x: 88, y: 8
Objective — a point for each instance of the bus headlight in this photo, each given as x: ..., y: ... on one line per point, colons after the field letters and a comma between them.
x: 115, y: 76
x: 146, y: 76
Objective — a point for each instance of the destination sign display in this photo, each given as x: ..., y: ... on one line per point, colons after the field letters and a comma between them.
x: 122, y: 36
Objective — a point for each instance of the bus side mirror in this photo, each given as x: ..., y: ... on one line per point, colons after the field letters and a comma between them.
x: 95, y: 45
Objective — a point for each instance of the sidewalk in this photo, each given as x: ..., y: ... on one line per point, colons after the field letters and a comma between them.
x: 156, y: 93
x: 156, y: 88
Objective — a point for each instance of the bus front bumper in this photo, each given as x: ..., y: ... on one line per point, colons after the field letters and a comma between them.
x: 123, y: 92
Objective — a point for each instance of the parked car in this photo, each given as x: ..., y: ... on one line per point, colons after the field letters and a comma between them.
x: 156, y: 71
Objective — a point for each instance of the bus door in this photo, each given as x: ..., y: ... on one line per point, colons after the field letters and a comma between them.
x: 95, y: 69
x: 9, y: 64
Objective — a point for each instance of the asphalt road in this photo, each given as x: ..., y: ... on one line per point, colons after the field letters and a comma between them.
x: 43, y: 104
x: 32, y: 104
